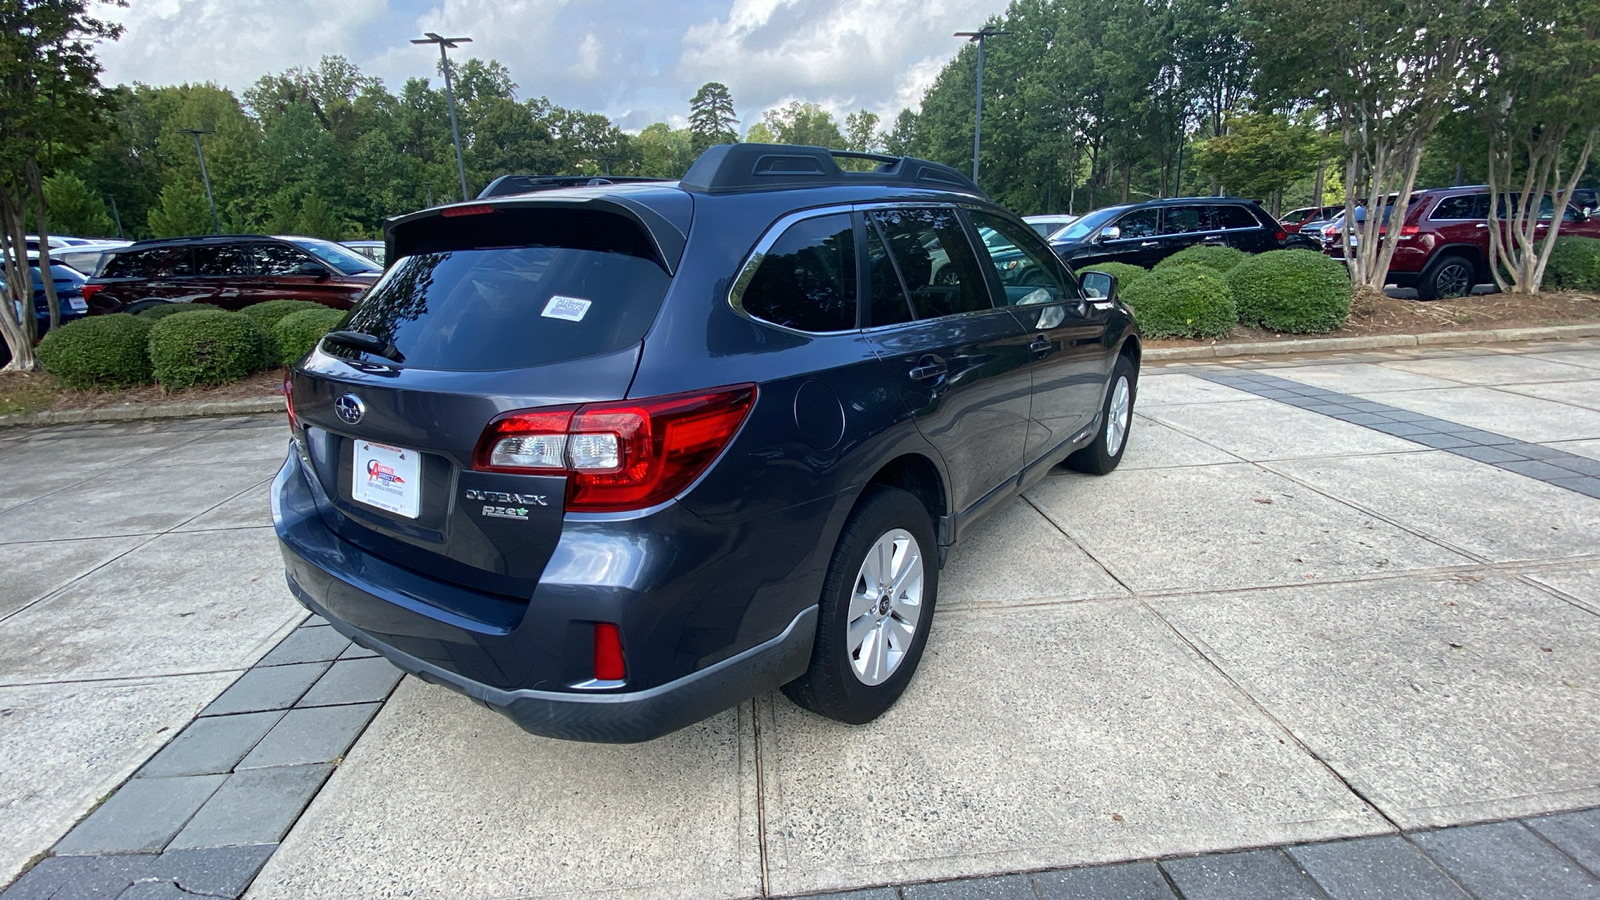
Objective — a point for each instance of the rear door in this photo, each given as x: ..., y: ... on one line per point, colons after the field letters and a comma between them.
x: 224, y: 274
x: 523, y: 311
x: 961, y: 363
x: 1185, y: 226
x: 1238, y: 227
x: 1066, y: 333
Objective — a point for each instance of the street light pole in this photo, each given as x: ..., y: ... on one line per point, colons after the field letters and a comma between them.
x: 978, y: 37
x: 216, y: 222
x: 449, y: 93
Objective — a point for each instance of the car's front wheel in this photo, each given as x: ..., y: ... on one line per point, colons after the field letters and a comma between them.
x: 877, y: 604
x: 1116, y: 420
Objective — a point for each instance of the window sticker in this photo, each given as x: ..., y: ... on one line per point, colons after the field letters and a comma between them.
x: 570, y: 308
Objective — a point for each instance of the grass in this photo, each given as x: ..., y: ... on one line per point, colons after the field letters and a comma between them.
x: 25, y: 392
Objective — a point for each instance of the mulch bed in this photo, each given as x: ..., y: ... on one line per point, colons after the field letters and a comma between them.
x: 22, y: 392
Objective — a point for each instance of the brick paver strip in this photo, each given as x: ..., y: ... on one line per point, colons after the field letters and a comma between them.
x: 254, y: 807
x: 1506, y: 861
x: 316, y: 735
x: 211, y: 746
x: 142, y: 816
x: 353, y: 681
x: 318, y: 644
x: 1251, y: 875
x: 1546, y: 464
x: 267, y: 687
x: 1127, y: 881
x: 1002, y: 887
x: 1576, y: 834
x: 1375, y: 867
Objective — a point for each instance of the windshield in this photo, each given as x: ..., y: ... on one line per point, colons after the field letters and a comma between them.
x: 1088, y: 225
x: 345, y: 260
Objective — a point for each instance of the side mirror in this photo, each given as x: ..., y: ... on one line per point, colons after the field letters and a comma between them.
x: 1100, y: 286
x: 311, y: 268
x: 1110, y: 233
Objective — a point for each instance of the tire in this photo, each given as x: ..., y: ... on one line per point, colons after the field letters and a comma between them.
x: 852, y: 683
x: 1449, y: 276
x: 1116, y: 418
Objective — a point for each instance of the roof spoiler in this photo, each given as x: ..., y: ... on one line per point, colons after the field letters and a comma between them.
x: 742, y: 167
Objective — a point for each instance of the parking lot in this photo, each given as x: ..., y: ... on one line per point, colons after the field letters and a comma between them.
x: 1322, y: 598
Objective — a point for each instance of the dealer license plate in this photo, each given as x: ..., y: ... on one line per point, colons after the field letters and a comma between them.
x: 78, y: 304
x: 389, y: 478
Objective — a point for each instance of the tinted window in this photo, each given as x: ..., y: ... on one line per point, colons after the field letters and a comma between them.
x: 1468, y: 206
x: 889, y: 303
x: 161, y: 262
x: 343, y: 259
x: 1233, y: 217
x: 807, y: 279
x: 1028, y: 271
x: 1087, y: 226
x: 222, y: 259
x: 1185, y: 219
x: 1141, y: 223
x: 507, y: 307
x: 935, y: 260
x: 277, y: 259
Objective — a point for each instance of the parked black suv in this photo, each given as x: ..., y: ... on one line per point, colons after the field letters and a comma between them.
x: 1144, y: 234
x: 612, y: 459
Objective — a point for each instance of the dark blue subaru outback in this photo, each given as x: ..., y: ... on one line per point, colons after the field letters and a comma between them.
x: 612, y: 459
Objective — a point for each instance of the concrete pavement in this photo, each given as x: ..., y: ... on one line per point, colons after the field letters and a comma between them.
x: 1271, y: 627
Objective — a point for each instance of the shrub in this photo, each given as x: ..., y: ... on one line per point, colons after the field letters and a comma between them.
x: 1574, y: 265
x: 162, y: 310
x: 98, y: 351
x: 1182, y: 301
x: 1292, y: 291
x: 1217, y: 257
x: 209, y: 347
x: 270, y: 313
x: 1126, y: 273
x: 296, y: 333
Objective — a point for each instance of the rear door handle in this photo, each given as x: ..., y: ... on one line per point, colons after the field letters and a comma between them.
x: 1041, y: 347
x: 928, y: 370
x: 1151, y: 244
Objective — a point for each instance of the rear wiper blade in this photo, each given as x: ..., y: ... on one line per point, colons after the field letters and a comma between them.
x: 367, y: 342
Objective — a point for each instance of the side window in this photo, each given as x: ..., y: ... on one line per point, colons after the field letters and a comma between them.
x: 935, y: 260
x: 889, y: 303
x: 1029, y: 272
x: 1461, y: 207
x: 1185, y: 219
x: 222, y: 259
x: 1228, y: 216
x: 1141, y: 223
x: 807, y: 279
x: 276, y: 259
x: 162, y: 262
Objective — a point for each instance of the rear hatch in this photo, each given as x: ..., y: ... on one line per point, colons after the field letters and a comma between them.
x: 488, y: 310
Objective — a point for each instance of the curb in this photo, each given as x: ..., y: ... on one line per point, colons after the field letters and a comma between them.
x: 1374, y: 342
x: 181, y: 409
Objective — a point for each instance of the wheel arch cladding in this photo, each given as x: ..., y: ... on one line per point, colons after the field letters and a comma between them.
x: 918, y: 476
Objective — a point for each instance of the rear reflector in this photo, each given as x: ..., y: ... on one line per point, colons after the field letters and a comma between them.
x: 608, y: 664
x: 288, y: 402
x: 1281, y: 236
x: 625, y: 455
x: 89, y: 290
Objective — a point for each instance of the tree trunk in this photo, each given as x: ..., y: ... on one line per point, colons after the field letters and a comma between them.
x: 16, y: 319
x: 36, y: 189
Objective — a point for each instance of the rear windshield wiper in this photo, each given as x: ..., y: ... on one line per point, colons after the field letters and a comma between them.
x: 367, y: 342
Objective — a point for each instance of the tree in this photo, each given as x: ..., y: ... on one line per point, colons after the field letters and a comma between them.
x: 804, y: 123
x: 181, y: 211
x: 759, y: 133
x: 665, y: 152
x: 51, y: 109
x: 75, y: 209
x: 1387, y: 71
x: 711, y: 117
x: 1541, y: 109
x: 902, y: 138
x: 1260, y: 154
x: 861, y: 132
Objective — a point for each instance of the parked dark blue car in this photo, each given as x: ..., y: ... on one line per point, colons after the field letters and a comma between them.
x: 69, y: 292
x: 611, y: 459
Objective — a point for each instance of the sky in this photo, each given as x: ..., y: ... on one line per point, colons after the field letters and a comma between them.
x: 637, y: 62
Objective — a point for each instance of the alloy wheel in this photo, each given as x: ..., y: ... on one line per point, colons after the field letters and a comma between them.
x: 885, y: 605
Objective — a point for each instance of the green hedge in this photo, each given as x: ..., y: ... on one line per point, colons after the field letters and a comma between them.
x: 1217, y: 257
x: 1291, y: 291
x: 297, y: 333
x: 1182, y: 301
x: 270, y: 313
x: 162, y: 310
x: 212, y: 347
x: 1126, y: 273
x: 98, y: 351
x: 1574, y: 265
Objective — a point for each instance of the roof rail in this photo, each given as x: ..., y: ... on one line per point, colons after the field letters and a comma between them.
x: 526, y: 184
x: 726, y: 168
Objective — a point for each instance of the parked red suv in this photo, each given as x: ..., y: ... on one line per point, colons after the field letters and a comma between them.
x: 1444, y: 242
x: 230, y: 271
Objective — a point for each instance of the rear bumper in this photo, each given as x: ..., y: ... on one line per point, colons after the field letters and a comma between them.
x: 509, y: 656
x: 621, y: 718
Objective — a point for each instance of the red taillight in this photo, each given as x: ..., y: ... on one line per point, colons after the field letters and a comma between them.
x: 1281, y: 235
x: 1410, y: 230
x: 618, y: 456
x: 89, y: 290
x: 288, y: 401
x: 476, y: 209
x: 608, y: 665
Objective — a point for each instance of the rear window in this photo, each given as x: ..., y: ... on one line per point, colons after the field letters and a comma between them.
x: 1234, y: 217
x: 161, y: 262
x: 533, y: 291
